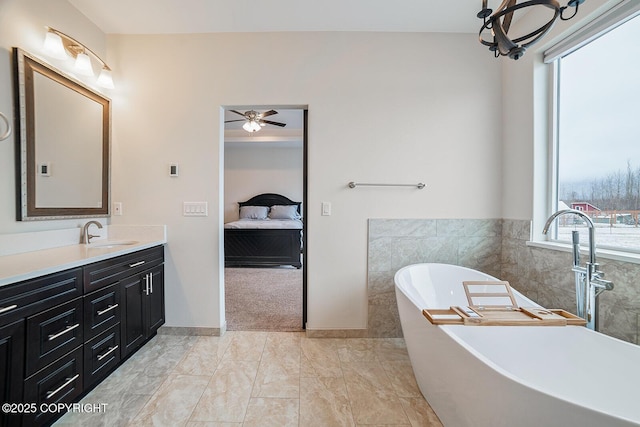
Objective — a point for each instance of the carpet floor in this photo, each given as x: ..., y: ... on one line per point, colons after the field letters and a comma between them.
x: 263, y: 299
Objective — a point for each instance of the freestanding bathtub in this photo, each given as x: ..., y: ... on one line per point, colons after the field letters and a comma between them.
x: 491, y: 376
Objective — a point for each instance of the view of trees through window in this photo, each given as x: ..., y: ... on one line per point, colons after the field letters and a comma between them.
x: 598, y: 165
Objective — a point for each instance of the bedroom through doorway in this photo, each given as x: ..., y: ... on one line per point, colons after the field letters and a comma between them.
x: 264, y: 221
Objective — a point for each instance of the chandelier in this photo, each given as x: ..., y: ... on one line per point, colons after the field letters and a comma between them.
x: 498, y: 24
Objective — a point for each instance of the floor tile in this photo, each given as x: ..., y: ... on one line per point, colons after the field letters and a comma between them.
x: 265, y: 412
x: 173, y: 403
x: 245, y: 346
x: 373, y: 399
x: 419, y: 412
x: 203, y: 357
x: 319, y: 357
x: 324, y: 402
x: 227, y: 395
x: 255, y: 379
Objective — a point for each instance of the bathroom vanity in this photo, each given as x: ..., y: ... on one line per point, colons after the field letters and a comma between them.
x: 62, y: 333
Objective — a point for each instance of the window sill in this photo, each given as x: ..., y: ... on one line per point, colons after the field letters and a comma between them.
x: 601, y: 253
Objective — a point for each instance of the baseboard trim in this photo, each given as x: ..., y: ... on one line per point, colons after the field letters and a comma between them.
x: 336, y: 333
x: 192, y: 331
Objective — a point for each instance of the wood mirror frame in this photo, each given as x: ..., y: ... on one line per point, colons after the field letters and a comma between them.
x: 61, y: 126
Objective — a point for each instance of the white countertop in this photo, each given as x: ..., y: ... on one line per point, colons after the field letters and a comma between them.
x: 28, y: 265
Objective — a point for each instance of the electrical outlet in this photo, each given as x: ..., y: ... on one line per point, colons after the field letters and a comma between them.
x: 117, y: 208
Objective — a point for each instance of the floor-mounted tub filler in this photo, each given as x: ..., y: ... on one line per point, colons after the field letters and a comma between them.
x: 491, y: 376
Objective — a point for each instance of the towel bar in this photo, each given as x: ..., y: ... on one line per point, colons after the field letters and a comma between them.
x: 352, y: 184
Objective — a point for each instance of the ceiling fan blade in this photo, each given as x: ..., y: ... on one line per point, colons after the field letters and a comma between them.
x: 268, y: 113
x: 231, y: 121
x: 237, y: 112
x: 269, y: 122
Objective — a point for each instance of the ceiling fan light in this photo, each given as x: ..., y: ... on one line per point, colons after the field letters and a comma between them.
x: 251, y: 126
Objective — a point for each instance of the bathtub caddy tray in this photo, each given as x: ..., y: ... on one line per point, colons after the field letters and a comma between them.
x: 491, y: 303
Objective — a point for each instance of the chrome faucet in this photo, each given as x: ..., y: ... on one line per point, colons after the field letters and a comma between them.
x: 86, y: 237
x: 589, y: 279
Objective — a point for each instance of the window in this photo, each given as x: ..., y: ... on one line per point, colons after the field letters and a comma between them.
x: 597, y: 147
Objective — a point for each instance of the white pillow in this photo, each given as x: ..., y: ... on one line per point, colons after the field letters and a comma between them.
x: 253, y: 212
x: 284, y: 212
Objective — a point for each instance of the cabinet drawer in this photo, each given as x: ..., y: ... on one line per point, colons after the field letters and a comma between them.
x: 101, y: 355
x: 101, y: 310
x: 53, y: 333
x: 60, y: 382
x: 107, y: 272
x: 32, y: 296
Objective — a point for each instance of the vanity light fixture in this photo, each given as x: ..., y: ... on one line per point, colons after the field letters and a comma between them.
x: 495, y: 27
x: 60, y: 46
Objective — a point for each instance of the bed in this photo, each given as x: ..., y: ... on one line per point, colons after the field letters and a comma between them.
x: 268, y: 233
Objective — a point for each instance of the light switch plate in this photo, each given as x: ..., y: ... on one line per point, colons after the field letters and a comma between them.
x: 195, y: 209
x: 326, y: 208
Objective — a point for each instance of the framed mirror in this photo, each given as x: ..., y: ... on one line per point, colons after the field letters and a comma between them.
x: 63, y: 141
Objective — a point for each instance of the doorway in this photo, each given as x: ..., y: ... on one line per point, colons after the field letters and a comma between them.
x: 265, y: 155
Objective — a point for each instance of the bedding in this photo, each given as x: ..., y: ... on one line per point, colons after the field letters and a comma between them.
x: 268, y: 233
x: 260, y: 224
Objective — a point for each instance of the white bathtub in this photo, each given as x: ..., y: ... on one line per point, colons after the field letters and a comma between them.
x: 490, y: 376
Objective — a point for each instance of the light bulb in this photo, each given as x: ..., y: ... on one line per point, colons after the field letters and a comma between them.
x: 53, y: 46
x: 251, y: 126
x: 105, y: 79
x: 83, y: 65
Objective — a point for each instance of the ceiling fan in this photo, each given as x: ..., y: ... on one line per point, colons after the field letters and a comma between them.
x: 254, y: 121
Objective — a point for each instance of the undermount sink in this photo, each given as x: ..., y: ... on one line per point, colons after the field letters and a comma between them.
x: 111, y: 243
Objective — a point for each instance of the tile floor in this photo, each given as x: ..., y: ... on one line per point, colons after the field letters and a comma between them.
x: 261, y: 379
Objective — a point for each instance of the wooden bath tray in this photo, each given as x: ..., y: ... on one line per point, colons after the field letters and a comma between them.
x: 533, y: 316
x: 491, y: 303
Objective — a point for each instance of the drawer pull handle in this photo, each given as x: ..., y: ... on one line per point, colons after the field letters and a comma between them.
x: 111, y: 350
x: 135, y: 264
x: 9, y: 308
x: 50, y: 394
x: 151, y: 280
x: 111, y: 307
x: 64, y: 331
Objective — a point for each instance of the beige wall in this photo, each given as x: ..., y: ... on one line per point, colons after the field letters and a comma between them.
x: 405, y: 108
x: 251, y: 169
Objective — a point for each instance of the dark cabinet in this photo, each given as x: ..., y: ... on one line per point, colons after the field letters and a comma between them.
x: 62, y: 333
x: 11, y: 369
x: 142, y: 300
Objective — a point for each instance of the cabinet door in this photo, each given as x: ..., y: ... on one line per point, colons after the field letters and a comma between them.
x: 11, y: 369
x: 155, y: 300
x: 132, y: 321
